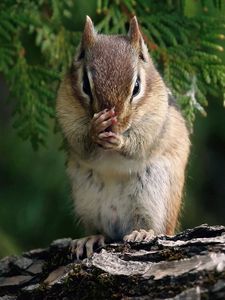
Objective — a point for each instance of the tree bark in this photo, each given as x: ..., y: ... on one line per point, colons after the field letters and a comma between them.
x: 189, y: 265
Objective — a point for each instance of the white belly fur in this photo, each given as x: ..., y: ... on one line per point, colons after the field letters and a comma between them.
x: 116, y: 205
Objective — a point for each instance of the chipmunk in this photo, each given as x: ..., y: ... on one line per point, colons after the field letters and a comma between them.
x: 128, y: 143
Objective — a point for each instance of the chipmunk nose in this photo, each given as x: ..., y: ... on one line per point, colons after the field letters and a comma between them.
x: 105, y: 105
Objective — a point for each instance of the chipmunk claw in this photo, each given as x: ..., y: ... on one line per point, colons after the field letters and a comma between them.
x: 87, y: 245
x: 139, y: 236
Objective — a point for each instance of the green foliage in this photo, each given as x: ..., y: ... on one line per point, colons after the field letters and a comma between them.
x: 8, y: 247
x: 37, y: 43
x: 35, y: 48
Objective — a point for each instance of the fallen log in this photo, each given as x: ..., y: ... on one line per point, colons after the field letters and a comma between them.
x: 189, y: 265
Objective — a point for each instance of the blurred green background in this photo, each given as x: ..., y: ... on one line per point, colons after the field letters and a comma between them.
x: 35, y: 201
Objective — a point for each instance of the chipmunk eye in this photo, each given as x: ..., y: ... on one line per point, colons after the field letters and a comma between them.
x: 86, y: 84
x: 136, y: 89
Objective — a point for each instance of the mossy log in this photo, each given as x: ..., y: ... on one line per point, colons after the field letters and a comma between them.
x: 189, y: 265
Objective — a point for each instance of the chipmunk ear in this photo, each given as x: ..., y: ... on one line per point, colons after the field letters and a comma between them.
x: 136, y: 39
x: 134, y: 33
x: 89, y: 34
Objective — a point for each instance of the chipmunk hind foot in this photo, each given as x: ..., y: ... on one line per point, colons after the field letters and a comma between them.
x: 139, y: 236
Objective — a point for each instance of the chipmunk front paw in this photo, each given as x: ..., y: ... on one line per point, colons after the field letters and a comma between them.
x: 101, y: 133
x: 110, y: 140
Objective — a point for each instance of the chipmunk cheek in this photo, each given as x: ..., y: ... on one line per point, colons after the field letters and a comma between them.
x: 120, y: 127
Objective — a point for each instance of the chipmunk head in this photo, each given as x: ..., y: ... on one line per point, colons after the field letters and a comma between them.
x: 113, y: 71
